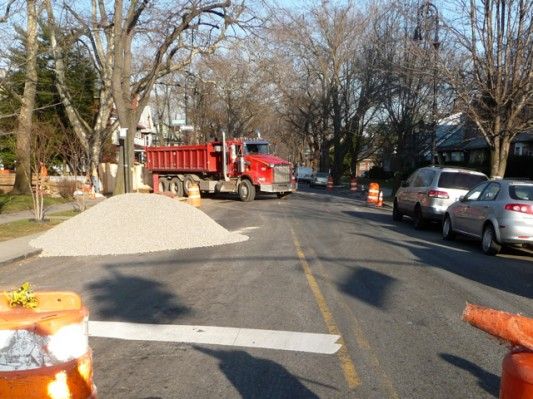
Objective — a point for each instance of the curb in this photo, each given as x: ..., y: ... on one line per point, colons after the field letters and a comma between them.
x: 27, y: 255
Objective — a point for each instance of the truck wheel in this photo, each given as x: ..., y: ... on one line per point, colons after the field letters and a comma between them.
x: 163, y: 185
x: 176, y: 187
x: 188, y: 181
x: 246, y: 191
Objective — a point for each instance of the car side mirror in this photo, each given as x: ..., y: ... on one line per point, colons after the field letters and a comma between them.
x: 404, y: 183
x: 462, y: 198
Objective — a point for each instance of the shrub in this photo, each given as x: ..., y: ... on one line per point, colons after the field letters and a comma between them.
x: 66, y: 188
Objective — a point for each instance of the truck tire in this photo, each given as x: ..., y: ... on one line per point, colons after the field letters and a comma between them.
x: 188, y: 181
x: 176, y: 186
x: 163, y: 185
x: 246, y: 191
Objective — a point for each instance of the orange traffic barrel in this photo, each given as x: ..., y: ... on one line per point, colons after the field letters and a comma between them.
x: 329, y: 185
x: 48, y: 354
x: 517, y: 376
x: 194, y: 198
x: 380, y: 199
x: 353, y: 184
x: 373, y: 193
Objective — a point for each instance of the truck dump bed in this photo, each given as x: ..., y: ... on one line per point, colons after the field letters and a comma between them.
x: 200, y: 158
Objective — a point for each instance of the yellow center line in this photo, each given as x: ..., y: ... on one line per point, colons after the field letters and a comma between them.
x: 348, y: 368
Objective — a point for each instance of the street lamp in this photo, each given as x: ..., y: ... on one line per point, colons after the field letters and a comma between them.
x: 122, y: 137
x: 427, y: 21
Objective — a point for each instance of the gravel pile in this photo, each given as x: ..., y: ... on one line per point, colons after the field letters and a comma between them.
x: 134, y: 223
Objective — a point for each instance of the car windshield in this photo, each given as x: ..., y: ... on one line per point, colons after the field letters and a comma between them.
x: 521, y: 192
x: 458, y: 180
x: 322, y: 175
x: 257, y: 148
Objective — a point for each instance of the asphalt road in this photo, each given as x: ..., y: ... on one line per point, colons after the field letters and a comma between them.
x: 316, y: 263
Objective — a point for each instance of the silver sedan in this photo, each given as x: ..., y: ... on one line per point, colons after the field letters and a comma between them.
x: 497, y: 212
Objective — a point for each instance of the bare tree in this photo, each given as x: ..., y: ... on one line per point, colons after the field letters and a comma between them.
x: 165, y: 30
x: 93, y: 130
x: 27, y: 100
x: 495, y: 83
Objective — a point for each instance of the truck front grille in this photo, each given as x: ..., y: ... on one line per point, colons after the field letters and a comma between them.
x: 282, y: 174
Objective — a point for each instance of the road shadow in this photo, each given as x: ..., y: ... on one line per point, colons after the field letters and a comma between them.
x: 369, y: 286
x: 256, y: 378
x: 486, y: 380
x: 122, y: 297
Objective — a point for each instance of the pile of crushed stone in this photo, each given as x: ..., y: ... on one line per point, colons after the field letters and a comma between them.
x: 131, y: 224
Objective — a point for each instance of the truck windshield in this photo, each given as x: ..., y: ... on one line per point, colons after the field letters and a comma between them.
x: 257, y: 148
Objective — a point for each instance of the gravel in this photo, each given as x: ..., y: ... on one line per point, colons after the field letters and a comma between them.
x: 131, y: 224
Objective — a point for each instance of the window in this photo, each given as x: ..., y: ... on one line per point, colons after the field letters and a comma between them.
x: 257, y: 148
x: 473, y: 194
x: 521, y: 192
x: 519, y: 149
x: 458, y: 180
x: 491, y: 192
x: 423, y: 178
x: 458, y: 156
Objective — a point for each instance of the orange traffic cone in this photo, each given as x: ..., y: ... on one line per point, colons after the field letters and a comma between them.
x: 517, y: 366
x: 330, y: 183
x: 516, y: 329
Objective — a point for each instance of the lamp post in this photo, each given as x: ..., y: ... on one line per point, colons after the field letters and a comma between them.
x: 122, y: 137
x: 428, y: 21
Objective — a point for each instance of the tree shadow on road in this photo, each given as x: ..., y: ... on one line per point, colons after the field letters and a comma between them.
x: 135, y: 299
x: 258, y: 378
x: 512, y: 275
x: 487, y: 381
x: 369, y: 286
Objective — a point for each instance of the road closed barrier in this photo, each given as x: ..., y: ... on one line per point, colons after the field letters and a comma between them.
x: 44, y: 350
x: 517, y: 366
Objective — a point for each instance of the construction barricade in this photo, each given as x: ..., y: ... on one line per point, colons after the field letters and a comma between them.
x: 353, y: 184
x: 194, y: 198
x: 517, y: 366
x: 373, y: 194
x: 44, y: 351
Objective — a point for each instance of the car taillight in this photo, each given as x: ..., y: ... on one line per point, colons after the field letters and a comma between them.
x: 438, y: 194
x: 520, y: 208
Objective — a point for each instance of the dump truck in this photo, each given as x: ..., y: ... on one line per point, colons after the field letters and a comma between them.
x: 242, y: 166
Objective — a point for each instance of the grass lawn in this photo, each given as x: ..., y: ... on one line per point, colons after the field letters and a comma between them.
x: 15, y: 203
x: 26, y: 227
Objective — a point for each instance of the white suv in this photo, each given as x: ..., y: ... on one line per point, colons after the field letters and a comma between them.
x: 428, y: 192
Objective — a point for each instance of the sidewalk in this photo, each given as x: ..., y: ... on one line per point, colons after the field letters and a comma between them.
x: 19, y: 248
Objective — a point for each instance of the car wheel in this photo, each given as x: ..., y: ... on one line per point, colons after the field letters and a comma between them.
x: 447, y: 230
x: 396, y: 214
x: 418, y: 219
x: 488, y: 241
x: 246, y: 191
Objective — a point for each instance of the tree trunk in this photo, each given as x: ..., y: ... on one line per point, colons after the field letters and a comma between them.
x: 24, y: 119
x: 498, y: 158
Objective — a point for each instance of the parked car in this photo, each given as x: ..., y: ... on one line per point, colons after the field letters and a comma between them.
x: 497, y: 212
x: 303, y: 174
x: 319, y: 179
x: 428, y: 192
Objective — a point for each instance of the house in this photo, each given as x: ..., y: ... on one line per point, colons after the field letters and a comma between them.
x: 463, y: 145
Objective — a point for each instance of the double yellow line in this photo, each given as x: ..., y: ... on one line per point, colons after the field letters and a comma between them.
x: 348, y: 368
